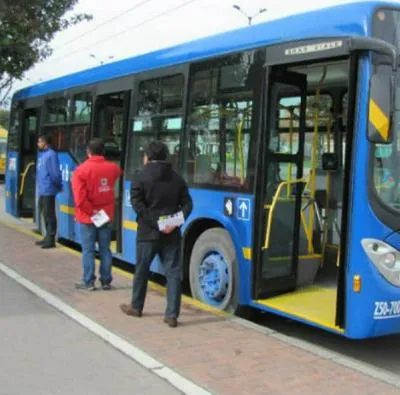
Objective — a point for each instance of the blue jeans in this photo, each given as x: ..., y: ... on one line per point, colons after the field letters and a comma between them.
x: 89, y: 235
x: 169, y: 252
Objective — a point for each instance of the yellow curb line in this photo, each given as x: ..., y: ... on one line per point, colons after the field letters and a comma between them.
x: 152, y: 285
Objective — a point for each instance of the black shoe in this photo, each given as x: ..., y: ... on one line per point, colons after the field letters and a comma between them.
x: 172, y: 322
x: 46, y: 245
x: 40, y: 242
x: 105, y: 287
x: 85, y: 287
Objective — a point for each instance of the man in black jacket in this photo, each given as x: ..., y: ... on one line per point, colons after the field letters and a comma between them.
x: 158, y: 191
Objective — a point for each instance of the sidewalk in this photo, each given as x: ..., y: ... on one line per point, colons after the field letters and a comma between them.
x: 215, y: 351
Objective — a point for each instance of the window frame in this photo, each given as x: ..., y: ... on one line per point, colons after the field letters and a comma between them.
x: 138, y: 79
x: 215, y: 64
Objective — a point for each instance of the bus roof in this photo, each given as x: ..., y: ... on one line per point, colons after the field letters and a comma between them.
x: 338, y: 21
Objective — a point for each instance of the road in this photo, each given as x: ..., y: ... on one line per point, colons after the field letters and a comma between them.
x: 45, y: 353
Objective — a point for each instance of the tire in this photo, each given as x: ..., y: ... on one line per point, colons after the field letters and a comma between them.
x: 213, y: 271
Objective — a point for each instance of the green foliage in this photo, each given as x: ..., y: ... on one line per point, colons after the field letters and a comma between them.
x: 26, y: 28
x: 4, y: 114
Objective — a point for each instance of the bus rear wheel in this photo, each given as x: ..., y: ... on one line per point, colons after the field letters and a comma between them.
x: 213, y: 270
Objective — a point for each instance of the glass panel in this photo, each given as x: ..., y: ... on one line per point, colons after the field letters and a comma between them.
x: 165, y: 129
x: 386, y: 172
x: 172, y: 94
x: 82, y: 108
x: 220, y: 123
x: 60, y: 137
x: 110, y: 129
x: 156, y: 97
x: 287, y: 139
x: 57, y: 110
x: 79, y: 141
x: 14, y: 132
x: 386, y: 158
x: 149, y: 97
x: 29, y: 137
x: 281, y: 204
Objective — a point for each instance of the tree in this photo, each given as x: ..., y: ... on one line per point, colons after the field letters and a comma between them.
x: 26, y: 28
x: 4, y: 114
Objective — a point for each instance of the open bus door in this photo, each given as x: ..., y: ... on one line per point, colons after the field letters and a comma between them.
x: 281, y: 186
x: 111, y: 121
x: 26, y: 183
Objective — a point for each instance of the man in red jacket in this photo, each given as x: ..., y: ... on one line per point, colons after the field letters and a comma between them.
x: 93, y: 188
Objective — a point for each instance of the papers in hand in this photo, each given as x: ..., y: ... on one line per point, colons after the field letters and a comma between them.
x: 100, y: 218
x: 176, y: 219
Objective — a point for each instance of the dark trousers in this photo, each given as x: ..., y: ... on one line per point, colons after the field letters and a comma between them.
x: 169, y: 252
x: 47, y: 207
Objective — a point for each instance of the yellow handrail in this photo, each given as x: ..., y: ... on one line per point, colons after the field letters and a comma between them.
x: 313, y: 171
x: 23, y: 176
x: 272, y: 208
x: 291, y: 111
x: 240, y: 147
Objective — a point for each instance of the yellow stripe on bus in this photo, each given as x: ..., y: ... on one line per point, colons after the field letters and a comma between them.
x: 67, y: 209
x: 246, y: 253
x: 379, y: 119
x: 131, y: 225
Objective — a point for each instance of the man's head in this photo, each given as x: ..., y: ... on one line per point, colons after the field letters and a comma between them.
x: 155, y: 151
x: 95, y: 147
x: 44, y: 141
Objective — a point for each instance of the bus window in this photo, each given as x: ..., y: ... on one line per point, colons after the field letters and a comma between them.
x: 59, y: 135
x: 80, y: 130
x: 56, y: 118
x: 57, y: 111
x: 30, y: 130
x: 82, y: 108
x: 78, y: 141
x: 110, y: 124
x: 220, y: 123
x: 14, y: 133
x: 159, y: 117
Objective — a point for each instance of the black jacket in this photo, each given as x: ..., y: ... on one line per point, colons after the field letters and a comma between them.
x: 158, y: 190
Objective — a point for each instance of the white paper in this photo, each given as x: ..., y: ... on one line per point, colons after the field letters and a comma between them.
x: 176, y: 219
x: 100, y: 218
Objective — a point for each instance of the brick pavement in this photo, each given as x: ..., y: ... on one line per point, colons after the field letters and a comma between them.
x: 211, y: 350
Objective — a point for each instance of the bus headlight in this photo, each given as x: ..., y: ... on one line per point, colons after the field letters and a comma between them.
x: 385, y: 258
x: 389, y: 260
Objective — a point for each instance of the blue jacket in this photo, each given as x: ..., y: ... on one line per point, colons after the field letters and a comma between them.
x: 48, y: 173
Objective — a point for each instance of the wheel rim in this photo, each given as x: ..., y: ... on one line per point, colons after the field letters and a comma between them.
x: 214, y: 278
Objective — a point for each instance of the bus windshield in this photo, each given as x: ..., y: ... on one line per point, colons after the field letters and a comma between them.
x: 386, y: 157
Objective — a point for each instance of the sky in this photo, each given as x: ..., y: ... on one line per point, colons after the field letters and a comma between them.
x: 125, y: 28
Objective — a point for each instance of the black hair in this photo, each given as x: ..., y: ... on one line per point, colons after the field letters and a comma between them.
x: 47, y: 138
x: 96, y: 146
x: 157, y: 150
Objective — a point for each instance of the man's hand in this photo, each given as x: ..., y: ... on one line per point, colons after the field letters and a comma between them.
x: 168, y: 229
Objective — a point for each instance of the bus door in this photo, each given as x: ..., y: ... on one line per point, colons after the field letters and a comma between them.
x: 111, y: 120
x: 281, y: 185
x: 27, y: 176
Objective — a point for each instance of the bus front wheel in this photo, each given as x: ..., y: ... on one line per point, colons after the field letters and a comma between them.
x: 213, y: 270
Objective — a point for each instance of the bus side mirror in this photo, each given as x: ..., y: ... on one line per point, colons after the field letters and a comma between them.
x: 381, y: 105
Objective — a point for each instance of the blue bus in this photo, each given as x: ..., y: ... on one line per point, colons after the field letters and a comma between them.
x: 286, y: 133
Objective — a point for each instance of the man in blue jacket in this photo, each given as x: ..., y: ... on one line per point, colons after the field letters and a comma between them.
x: 49, y: 183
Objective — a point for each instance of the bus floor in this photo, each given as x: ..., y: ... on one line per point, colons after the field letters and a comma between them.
x: 315, y: 303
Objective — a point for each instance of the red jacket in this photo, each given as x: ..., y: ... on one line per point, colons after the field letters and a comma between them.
x: 93, y: 188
